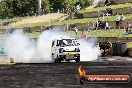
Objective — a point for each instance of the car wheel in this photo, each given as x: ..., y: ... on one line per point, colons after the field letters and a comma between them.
x: 78, y: 59
x: 57, y: 60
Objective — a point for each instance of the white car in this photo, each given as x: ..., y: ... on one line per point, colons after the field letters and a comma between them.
x: 65, y: 49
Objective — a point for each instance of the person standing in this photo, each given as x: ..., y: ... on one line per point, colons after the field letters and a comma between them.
x: 106, y: 25
x: 76, y: 30
x: 117, y: 20
x: 122, y: 19
x: 107, y: 2
x: 126, y: 27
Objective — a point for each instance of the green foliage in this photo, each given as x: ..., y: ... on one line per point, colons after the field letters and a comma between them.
x: 11, y: 8
x: 45, y: 6
x: 88, y: 2
x: 24, y: 7
x: 19, y: 8
x: 104, y: 8
x: 5, y: 9
x: 69, y: 5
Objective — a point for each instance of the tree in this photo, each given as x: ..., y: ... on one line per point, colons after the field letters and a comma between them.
x: 45, y: 6
x: 11, y: 8
x: 69, y: 5
x: 88, y: 2
x: 56, y: 4
x: 6, y: 9
x: 24, y: 7
x: 85, y: 3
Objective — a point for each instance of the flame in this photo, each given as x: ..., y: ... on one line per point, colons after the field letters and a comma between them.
x: 81, y: 71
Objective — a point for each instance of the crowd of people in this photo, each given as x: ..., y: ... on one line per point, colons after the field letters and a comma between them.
x: 120, y: 21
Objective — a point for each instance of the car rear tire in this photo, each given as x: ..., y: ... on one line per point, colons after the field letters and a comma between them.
x: 57, y: 60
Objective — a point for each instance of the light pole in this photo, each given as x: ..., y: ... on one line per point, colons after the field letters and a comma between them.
x: 39, y: 7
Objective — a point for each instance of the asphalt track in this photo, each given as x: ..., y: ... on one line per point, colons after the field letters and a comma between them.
x: 59, y: 75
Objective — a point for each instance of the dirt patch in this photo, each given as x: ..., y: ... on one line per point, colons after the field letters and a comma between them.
x: 43, y: 18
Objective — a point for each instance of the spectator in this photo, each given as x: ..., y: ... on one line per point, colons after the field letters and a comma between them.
x: 76, y: 30
x: 122, y: 19
x: 78, y: 7
x: 107, y: 2
x: 127, y: 26
x: 117, y: 20
x: 106, y: 25
x: 84, y: 37
x: 99, y: 23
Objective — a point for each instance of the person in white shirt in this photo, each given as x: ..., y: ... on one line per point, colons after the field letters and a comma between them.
x: 76, y: 30
x: 122, y: 19
x: 106, y: 25
x: 117, y: 20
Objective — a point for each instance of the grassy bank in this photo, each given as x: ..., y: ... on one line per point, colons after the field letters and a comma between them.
x: 72, y: 21
x: 103, y: 8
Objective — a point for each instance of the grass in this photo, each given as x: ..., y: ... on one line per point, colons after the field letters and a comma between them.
x: 103, y: 8
x: 72, y: 21
x: 129, y: 45
x: 85, y: 20
x: 52, y: 22
x: 15, y: 19
x: 92, y: 33
x: 103, y: 33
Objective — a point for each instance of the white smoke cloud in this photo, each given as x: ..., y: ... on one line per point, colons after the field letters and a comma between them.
x: 19, y: 47
x: 22, y: 49
x: 88, y: 50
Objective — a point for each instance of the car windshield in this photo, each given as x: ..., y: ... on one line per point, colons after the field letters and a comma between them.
x: 68, y: 42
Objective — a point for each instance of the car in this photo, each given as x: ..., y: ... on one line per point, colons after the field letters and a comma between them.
x: 65, y: 50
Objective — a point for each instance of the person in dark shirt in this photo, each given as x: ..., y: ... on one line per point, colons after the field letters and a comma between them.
x: 127, y: 28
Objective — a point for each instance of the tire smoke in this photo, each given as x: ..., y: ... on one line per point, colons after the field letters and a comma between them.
x: 88, y: 50
x: 22, y: 49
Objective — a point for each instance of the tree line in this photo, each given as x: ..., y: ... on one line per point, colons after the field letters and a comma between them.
x: 19, y: 8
